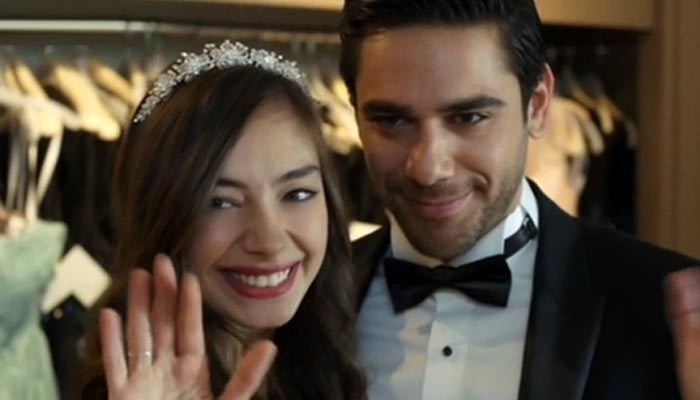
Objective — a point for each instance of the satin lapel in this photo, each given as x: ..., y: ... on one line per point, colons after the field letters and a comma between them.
x: 366, y: 254
x: 565, y: 313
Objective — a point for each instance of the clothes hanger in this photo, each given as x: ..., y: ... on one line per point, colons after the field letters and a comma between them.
x: 569, y: 85
x: 136, y: 76
x: 9, y: 78
x: 11, y: 224
x: 346, y: 112
x: 4, y: 112
x: 305, y: 52
x: 155, y: 62
x: 558, y: 161
x: 107, y: 78
x: 26, y: 185
x: 15, y: 172
x: 581, y: 133
x: 83, y: 97
x: 30, y: 109
x: 31, y: 115
x: 132, y: 67
x: 50, y: 123
x: 593, y: 84
x: 341, y: 134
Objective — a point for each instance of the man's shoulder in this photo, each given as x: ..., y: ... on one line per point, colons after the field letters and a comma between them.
x: 607, y: 249
x: 630, y: 270
x: 606, y: 245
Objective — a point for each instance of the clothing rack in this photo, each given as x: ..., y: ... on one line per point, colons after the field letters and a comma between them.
x: 151, y: 28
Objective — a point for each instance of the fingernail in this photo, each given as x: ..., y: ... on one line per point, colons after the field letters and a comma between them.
x: 188, y: 275
x: 161, y: 258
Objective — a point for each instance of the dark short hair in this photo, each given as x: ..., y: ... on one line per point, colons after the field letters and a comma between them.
x: 518, y: 21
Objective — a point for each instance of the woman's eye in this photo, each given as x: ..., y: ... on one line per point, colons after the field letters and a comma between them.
x: 219, y: 203
x: 300, y: 195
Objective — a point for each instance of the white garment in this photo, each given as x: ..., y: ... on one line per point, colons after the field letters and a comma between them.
x: 406, y: 355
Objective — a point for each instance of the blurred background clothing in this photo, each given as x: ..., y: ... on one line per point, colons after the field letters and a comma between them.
x: 26, y: 267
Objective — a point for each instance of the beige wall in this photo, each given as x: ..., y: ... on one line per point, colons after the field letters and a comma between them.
x: 307, y: 14
x: 669, y: 151
x: 627, y: 14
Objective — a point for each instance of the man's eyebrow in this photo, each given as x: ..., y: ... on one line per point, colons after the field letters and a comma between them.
x: 373, y: 107
x: 385, y: 107
x: 472, y: 103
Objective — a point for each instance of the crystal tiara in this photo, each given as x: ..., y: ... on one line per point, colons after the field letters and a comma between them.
x: 225, y: 55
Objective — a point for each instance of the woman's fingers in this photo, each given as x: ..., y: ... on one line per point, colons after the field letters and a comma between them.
x: 683, y: 308
x: 250, y: 372
x: 112, y: 349
x: 139, y: 343
x: 683, y: 304
x: 190, y: 332
x: 164, y: 303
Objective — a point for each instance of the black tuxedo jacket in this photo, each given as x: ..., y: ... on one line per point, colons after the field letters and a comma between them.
x: 596, y: 328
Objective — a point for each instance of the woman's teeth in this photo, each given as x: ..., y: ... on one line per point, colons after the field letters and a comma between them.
x: 263, y: 281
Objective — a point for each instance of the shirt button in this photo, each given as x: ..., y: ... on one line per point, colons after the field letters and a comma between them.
x: 447, y: 351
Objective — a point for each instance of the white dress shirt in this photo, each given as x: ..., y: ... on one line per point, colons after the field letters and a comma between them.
x: 450, y: 347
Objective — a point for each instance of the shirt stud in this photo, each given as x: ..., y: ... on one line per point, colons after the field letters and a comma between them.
x: 447, y: 351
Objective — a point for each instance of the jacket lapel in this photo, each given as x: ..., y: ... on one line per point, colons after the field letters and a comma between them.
x: 565, y: 313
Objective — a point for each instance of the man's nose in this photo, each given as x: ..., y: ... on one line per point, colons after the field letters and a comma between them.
x: 430, y: 159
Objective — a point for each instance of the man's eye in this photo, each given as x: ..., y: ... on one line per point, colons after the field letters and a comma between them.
x: 386, y: 122
x: 300, y: 195
x: 469, y: 118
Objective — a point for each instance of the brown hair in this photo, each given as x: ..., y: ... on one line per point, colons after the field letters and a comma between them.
x: 167, y: 165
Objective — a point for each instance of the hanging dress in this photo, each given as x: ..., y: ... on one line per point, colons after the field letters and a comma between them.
x: 27, y: 263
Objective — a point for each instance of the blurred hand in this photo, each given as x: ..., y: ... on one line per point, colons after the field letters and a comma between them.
x: 165, y: 354
x: 683, y: 311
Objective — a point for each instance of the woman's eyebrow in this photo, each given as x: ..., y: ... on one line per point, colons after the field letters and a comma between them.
x: 296, y: 173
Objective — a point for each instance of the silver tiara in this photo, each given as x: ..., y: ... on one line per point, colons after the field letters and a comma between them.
x: 225, y: 55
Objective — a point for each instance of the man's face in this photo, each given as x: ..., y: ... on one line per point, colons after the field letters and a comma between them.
x: 441, y: 121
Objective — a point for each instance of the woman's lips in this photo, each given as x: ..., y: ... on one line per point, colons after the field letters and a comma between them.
x: 437, y: 208
x: 261, y: 282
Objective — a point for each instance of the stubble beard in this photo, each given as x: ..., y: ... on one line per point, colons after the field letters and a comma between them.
x: 448, y: 238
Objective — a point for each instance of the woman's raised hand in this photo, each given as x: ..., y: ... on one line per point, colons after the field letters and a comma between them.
x: 683, y: 308
x: 165, y: 355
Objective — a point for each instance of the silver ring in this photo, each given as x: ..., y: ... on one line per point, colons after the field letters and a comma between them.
x: 147, y: 354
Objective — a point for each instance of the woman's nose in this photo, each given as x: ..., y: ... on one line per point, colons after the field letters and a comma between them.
x: 265, y: 233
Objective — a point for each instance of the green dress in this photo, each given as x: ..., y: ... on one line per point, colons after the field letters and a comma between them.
x: 27, y: 264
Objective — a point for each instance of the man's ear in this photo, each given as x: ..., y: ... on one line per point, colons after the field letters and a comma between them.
x: 538, y: 107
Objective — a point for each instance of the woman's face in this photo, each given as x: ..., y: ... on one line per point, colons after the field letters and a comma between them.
x: 262, y: 238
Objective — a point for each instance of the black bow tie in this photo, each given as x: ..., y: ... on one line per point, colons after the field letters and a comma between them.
x: 487, y: 280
